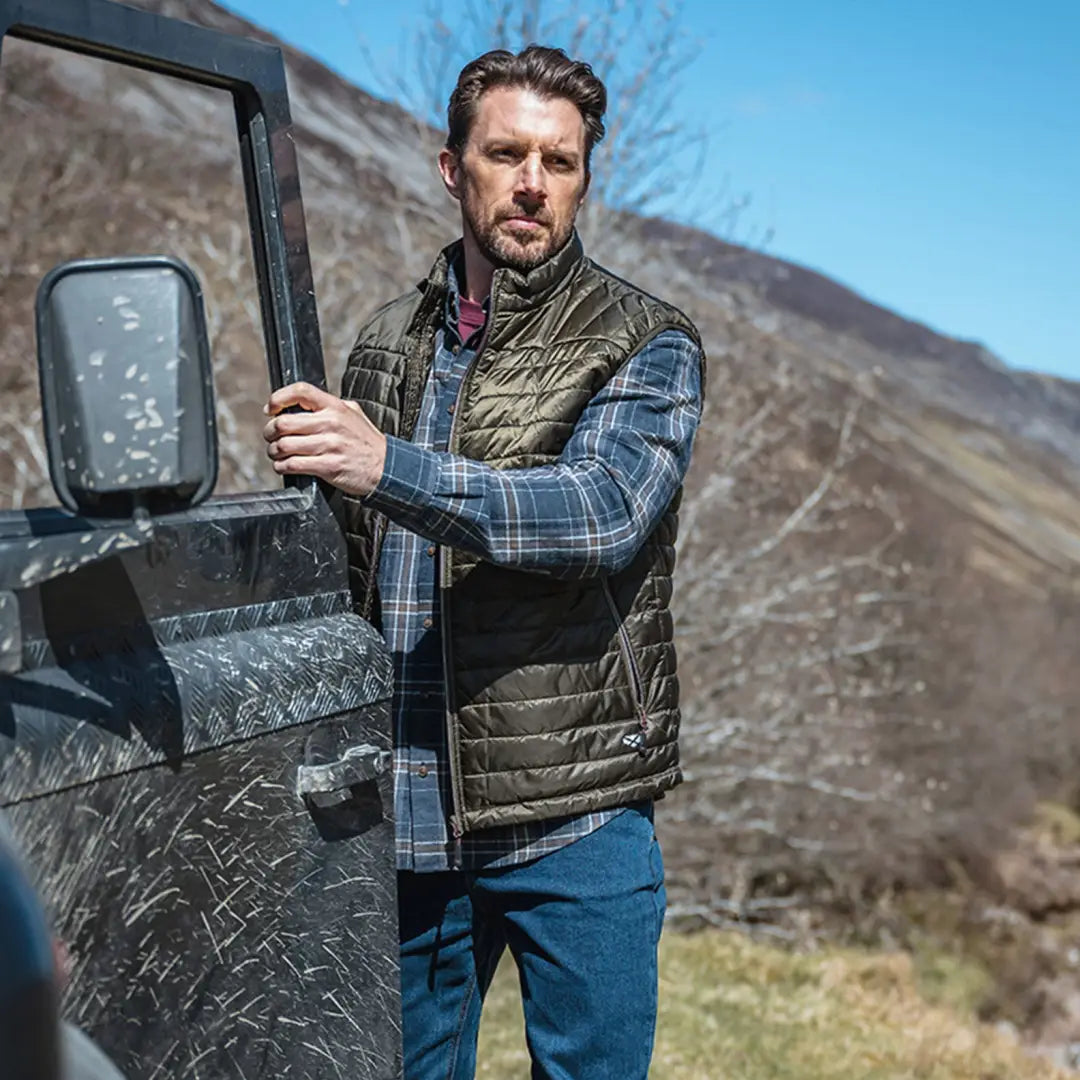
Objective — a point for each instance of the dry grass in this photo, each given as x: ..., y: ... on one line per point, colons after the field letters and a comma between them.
x: 1056, y: 824
x: 733, y: 1009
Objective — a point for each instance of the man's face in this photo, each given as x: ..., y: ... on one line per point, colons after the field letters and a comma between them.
x: 520, y: 178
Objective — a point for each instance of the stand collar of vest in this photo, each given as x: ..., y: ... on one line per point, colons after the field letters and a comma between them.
x: 512, y: 291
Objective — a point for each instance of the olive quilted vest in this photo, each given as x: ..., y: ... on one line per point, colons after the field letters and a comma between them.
x: 562, y: 696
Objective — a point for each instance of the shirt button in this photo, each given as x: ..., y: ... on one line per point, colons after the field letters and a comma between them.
x: 455, y: 349
x: 431, y: 549
x: 450, y: 408
x: 428, y: 623
x: 422, y: 771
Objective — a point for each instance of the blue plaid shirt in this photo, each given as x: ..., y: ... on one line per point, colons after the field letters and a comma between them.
x: 588, y: 513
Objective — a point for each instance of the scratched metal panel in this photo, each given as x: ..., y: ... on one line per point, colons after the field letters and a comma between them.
x: 130, y: 697
x: 217, y: 928
x: 228, y: 553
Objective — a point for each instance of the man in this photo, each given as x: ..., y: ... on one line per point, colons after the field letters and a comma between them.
x: 511, y: 450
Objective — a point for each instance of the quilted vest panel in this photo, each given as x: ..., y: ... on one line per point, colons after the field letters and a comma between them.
x: 562, y: 695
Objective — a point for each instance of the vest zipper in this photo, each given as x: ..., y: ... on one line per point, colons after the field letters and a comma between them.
x: 457, y: 793
x: 637, y: 686
x: 453, y: 754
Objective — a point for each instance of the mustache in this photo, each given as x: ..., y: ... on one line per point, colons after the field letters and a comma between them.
x: 541, y: 217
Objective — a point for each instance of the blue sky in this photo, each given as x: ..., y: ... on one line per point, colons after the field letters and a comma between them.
x: 925, y: 154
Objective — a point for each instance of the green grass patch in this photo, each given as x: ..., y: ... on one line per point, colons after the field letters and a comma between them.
x: 949, y: 978
x: 735, y: 1009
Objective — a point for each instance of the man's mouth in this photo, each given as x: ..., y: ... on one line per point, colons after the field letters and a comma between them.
x: 523, y: 221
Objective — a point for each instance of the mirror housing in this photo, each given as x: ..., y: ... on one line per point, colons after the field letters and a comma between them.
x: 126, y: 386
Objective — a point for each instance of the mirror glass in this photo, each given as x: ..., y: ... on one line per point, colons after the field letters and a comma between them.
x: 126, y: 386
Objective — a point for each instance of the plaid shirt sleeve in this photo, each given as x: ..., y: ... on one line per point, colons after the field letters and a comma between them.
x: 590, y: 511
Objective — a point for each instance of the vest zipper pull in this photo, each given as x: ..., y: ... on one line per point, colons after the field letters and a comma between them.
x: 643, y: 721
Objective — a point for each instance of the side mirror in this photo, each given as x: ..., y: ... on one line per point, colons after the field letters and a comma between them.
x: 126, y: 386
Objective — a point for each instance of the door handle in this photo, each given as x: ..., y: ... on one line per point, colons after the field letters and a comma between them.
x: 329, y: 783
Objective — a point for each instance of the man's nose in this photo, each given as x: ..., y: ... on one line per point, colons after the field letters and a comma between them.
x: 531, y: 178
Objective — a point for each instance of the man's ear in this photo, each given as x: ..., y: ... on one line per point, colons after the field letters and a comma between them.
x: 450, y: 170
x: 584, y: 189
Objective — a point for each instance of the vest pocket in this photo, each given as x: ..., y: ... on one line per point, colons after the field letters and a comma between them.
x: 637, y: 686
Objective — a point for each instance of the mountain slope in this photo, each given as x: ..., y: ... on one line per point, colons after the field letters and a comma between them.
x: 877, y: 593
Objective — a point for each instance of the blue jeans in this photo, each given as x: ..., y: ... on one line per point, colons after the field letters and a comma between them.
x: 582, y: 923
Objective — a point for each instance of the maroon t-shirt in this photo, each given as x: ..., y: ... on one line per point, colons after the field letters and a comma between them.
x: 471, y: 317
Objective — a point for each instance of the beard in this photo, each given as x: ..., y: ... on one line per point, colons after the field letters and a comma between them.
x: 518, y: 249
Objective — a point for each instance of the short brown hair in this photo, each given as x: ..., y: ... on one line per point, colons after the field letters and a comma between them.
x: 546, y: 71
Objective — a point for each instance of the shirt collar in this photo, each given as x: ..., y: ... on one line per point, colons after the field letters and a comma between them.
x: 452, y: 311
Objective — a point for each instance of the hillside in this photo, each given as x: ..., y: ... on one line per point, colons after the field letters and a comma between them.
x: 878, y: 590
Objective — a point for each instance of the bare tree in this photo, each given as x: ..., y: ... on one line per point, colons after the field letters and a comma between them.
x: 651, y: 162
x: 795, y: 634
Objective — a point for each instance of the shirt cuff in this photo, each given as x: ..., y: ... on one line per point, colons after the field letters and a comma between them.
x: 409, y: 477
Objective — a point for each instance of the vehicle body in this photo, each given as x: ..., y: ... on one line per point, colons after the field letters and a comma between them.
x: 194, y: 725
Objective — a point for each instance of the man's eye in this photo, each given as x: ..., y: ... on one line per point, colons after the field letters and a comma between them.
x: 503, y: 155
